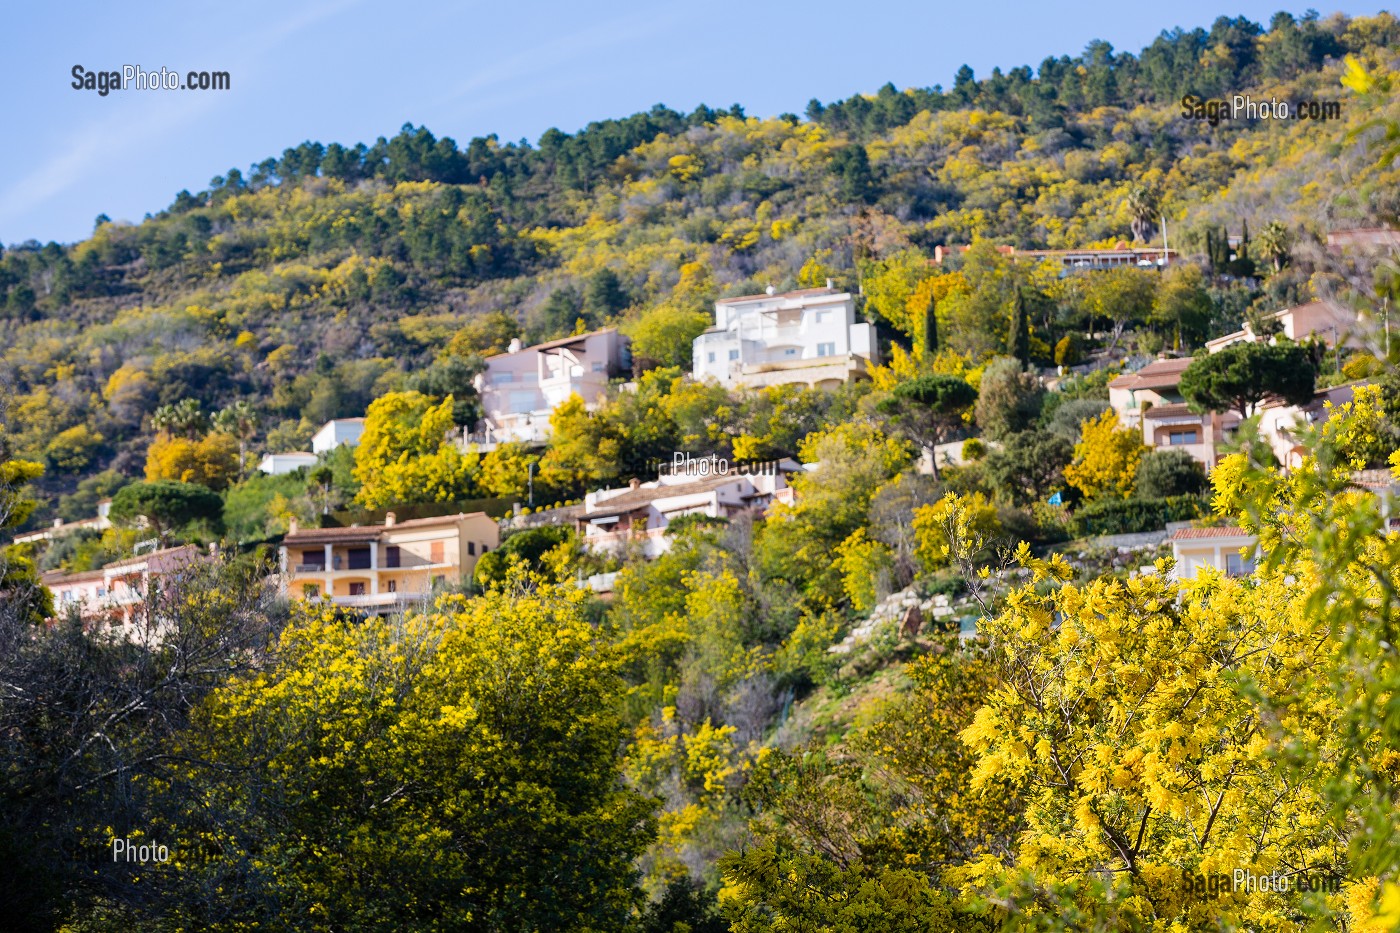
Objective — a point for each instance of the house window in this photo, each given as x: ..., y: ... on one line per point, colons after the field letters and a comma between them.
x: 310, y: 591
x: 435, y: 552
x: 391, y: 556
x: 598, y: 367
x: 826, y: 349
x: 471, y: 548
x: 821, y: 316
x: 733, y: 354
x: 357, y: 589
x: 790, y: 351
x: 1183, y: 437
x: 710, y: 357
x: 316, y: 558
x: 393, y: 586
x: 359, y: 558
x: 1237, y: 566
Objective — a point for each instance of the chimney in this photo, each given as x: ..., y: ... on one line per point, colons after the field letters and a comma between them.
x: 292, y: 525
x: 58, y: 523
x: 635, y: 484
x: 389, y: 519
x: 515, y: 345
x: 830, y: 285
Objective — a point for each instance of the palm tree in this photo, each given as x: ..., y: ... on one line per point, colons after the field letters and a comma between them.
x: 1273, y: 243
x: 240, y: 420
x: 184, y: 417
x: 1142, y: 208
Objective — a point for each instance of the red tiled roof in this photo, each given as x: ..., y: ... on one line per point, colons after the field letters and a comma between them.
x: 1174, y: 410
x: 190, y: 551
x: 436, y: 520
x: 1217, y: 531
x: 332, y: 535
x: 1159, y: 374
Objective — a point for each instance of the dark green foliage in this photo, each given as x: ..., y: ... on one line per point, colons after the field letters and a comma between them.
x: 167, y: 505
x: 452, y: 376
x: 852, y: 167
x: 683, y: 906
x: 527, y: 547
x: 1129, y: 516
x: 1028, y: 466
x: 1008, y: 400
x: 1070, y: 413
x: 1244, y: 375
x: 1165, y: 472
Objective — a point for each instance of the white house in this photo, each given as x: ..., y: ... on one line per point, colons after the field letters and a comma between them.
x: 337, y: 432
x: 521, y: 388
x: 278, y: 464
x: 59, y: 528
x: 641, y: 512
x: 808, y: 337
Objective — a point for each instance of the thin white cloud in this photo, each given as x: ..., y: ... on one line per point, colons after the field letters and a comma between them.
x: 543, y: 61
x: 139, y: 123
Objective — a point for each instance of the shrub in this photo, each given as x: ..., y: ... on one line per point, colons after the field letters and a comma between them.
x: 1069, y: 351
x: 1165, y: 472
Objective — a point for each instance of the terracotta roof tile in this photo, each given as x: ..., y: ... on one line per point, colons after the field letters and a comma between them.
x: 1216, y: 531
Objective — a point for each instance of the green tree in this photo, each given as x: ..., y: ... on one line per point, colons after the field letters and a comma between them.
x: 665, y: 336
x: 1243, y: 376
x: 167, y: 506
x: 604, y: 296
x: 930, y: 408
x: 181, y: 419
x: 1165, y: 472
x: 1008, y: 399
x: 457, y: 769
x: 22, y: 600
x: 1142, y: 211
x: 1028, y: 465
x: 1274, y: 242
x: 242, y: 421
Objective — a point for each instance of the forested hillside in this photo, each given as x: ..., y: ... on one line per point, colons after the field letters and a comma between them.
x: 908, y: 694
x: 313, y: 282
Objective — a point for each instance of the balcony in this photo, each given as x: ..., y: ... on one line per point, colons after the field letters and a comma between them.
x: 377, y: 600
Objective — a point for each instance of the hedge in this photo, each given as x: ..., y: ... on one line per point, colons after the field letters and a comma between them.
x: 1129, y: 516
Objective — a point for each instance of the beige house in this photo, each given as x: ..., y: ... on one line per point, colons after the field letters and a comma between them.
x: 1150, y: 400
x: 1330, y: 323
x: 385, y: 568
x: 117, y: 594
x: 1228, y: 549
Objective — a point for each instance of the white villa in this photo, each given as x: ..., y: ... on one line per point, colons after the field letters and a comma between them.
x: 641, y: 511
x: 279, y: 464
x: 808, y: 337
x: 520, y: 388
x: 337, y: 432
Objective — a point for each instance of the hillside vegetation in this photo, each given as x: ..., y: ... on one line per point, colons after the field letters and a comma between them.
x: 314, y: 282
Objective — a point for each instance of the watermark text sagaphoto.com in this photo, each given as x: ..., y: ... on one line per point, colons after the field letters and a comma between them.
x: 1244, y: 107
x: 134, y: 77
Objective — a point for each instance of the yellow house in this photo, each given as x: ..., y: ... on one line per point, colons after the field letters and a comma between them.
x: 385, y: 568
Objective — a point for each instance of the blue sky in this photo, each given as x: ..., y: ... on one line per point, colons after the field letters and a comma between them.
x: 351, y: 70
